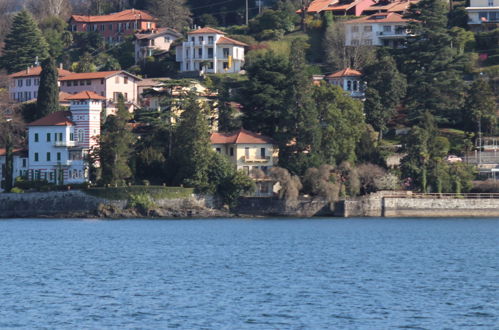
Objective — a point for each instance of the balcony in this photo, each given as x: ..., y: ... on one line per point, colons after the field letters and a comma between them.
x: 253, y: 159
x: 65, y: 144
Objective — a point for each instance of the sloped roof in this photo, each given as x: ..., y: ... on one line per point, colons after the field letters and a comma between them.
x: 380, y: 18
x: 317, y: 6
x: 95, y: 75
x: 17, y: 152
x: 347, y: 72
x: 125, y: 15
x: 395, y: 6
x: 240, y: 137
x: 156, y: 33
x: 229, y: 41
x: 206, y: 30
x: 36, y: 71
x: 342, y: 6
x: 59, y: 118
x: 86, y: 95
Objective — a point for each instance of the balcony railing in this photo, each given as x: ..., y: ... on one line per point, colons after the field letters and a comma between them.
x: 252, y: 159
x: 64, y: 144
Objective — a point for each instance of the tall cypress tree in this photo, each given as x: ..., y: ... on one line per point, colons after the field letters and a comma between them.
x: 23, y: 44
x: 48, y: 91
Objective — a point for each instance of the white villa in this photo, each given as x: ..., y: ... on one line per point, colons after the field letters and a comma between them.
x: 23, y: 85
x: 210, y: 51
x: 59, y: 143
x: 381, y: 29
x: 248, y: 151
x: 150, y: 41
x: 483, y: 15
x: 349, y: 80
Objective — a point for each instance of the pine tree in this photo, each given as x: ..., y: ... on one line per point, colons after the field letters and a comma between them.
x: 116, y: 143
x: 386, y: 87
x: 23, y: 44
x: 432, y: 65
x: 48, y: 91
x: 192, y: 153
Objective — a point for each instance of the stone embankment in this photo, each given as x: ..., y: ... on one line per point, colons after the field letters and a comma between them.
x: 77, y: 204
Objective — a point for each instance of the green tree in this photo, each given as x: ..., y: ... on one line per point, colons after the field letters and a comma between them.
x: 386, y: 87
x: 432, y: 65
x: 480, y: 107
x: 23, y: 44
x: 85, y: 64
x: 54, y: 30
x: 48, y: 91
x: 192, y: 151
x: 116, y: 144
x: 341, y: 121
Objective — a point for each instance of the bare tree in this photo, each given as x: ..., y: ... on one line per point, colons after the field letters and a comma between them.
x: 290, y: 185
x: 6, y: 9
x: 48, y: 8
x: 171, y: 13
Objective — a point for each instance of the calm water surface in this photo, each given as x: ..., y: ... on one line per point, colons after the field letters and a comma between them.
x: 259, y: 274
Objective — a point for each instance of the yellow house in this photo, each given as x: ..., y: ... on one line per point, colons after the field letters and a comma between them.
x: 251, y: 153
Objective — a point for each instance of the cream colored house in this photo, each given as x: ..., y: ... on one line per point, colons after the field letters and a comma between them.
x: 483, y: 15
x: 150, y: 41
x: 249, y: 151
x: 210, y: 51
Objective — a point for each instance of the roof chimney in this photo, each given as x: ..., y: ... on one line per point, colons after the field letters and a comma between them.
x: 60, y: 65
x: 27, y: 70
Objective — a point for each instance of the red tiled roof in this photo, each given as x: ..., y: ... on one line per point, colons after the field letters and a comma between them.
x: 396, y: 6
x: 342, y: 6
x: 240, y: 137
x: 158, y: 32
x: 59, y: 118
x: 380, y: 18
x: 90, y: 75
x: 319, y: 5
x: 86, y: 95
x: 15, y: 151
x: 63, y: 96
x: 125, y: 15
x: 228, y: 41
x: 36, y: 71
x: 345, y: 73
x: 206, y: 30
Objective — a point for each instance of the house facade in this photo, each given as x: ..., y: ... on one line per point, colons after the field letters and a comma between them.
x: 150, y: 41
x: 23, y: 85
x: 59, y: 143
x: 382, y: 29
x: 107, y: 84
x: 114, y: 27
x: 249, y: 151
x: 20, y: 165
x: 349, y: 80
x: 483, y: 15
x: 210, y: 51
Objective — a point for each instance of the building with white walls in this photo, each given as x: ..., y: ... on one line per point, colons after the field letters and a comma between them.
x: 483, y: 15
x: 350, y: 81
x: 210, y: 51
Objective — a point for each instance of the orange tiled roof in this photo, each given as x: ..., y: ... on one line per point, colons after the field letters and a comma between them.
x: 380, y: 18
x: 338, y: 6
x: 347, y: 72
x: 59, y: 118
x: 158, y: 32
x: 125, y: 15
x: 95, y: 75
x: 240, y: 137
x: 229, y: 41
x: 15, y: 151
x: 206, y: 30
x: 36, y: 71
x: 317, y: 6
x: 86, y: 95
x: 397, y: 6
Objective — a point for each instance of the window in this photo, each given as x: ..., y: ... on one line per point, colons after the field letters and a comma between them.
x: 60, y: 136
x: 20, y: 83
x: 125, y: 80
x: 89, y: 82
x: 37, y: 81
x: 167, y: 39
x: 200, y: 53
x: 82, y: 82
x: 368, y: 28
x: 387, y: 28
x: 186, y: 53
x: 262, y: 153
x: 117, y: 79
x: 210, y: 52
x: 355, y: 29
x: 48, y: 156
x: 69, y: 83
x: 355, y: 85
x: 187, y: 66
x: 126, y: 96
x: 81, y: 135
x: 231, y: 151
x: 36, y: 137
x: 116, y: 95
x: 349, y: 85
x: 36, y: 156
x: 128, y: 25
x: 210, y: 40
x: 246, y: 152
x: 192, y: 39
x: 491, y: 3
x: 210, y: 65
x: 48, y: 137
x: 226, y: 65
x: 246, y: 170
x: 201, y: 39
x: 24, y: 162
x: 71, y: 137
x: 355, y: 42
x: 58, y: 156
x: 225, y: 52
x: 102, y: 27
x: 28, y: 82
x: 20, y: 96
x: 35, y: 94
x: 219, y: 150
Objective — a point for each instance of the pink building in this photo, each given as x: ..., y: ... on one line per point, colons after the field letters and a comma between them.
x: 115, y: 26
x: 109, y: 84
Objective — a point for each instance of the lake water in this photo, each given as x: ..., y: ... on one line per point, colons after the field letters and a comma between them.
x: 258, y: 274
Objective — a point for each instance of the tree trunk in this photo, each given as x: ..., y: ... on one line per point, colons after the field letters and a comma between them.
x: 9, y: 164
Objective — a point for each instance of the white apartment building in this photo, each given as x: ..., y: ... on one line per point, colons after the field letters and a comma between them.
x: 150, y: 41
x: 483, y: 15
x: 382, y: 29
x: 210, y: 51
x: 23, y: 85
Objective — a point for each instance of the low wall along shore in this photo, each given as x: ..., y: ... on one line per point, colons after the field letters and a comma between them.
x: 385, y: 204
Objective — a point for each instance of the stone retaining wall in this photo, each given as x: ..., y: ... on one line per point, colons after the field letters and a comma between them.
x: 445, y: 207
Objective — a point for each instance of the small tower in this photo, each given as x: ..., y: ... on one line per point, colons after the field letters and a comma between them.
x: 86, y: 110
